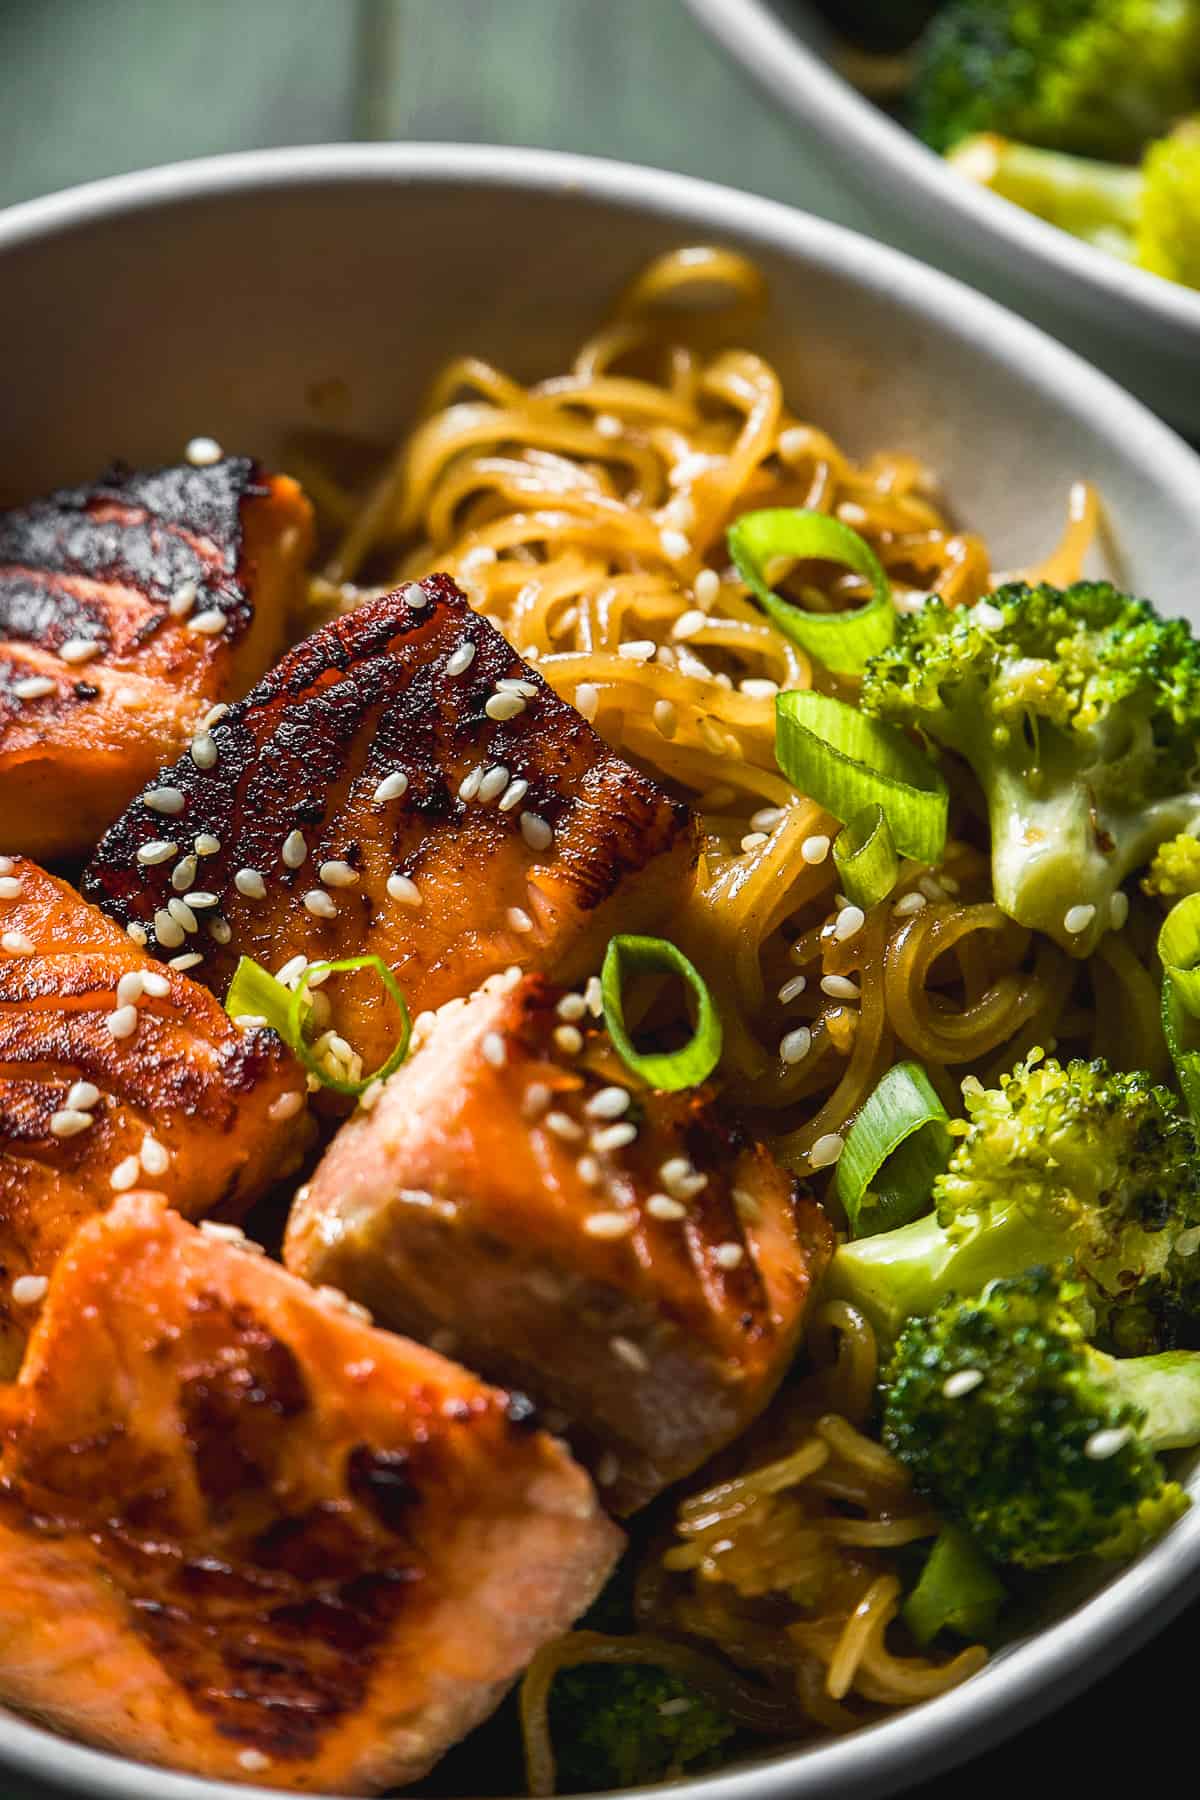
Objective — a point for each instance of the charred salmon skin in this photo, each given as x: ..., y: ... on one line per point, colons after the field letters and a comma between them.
x: 113, y: 1071
x: 128, y: 609
x: 268, y: 1543
x: 402, y: 784
x: 628, y: 1257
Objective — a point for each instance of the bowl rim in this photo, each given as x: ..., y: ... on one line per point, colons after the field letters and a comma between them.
x: 1030, y: 1678
x: 814, y: 91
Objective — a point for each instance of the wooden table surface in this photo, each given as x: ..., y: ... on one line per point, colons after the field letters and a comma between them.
x: 95, y: 87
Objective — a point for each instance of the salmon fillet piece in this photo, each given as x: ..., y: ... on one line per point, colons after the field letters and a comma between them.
x: 268, y: 1543
x: 127, y: 610
x: 212, y: 1113
x: 628, y: 1257
x: 371, y: 796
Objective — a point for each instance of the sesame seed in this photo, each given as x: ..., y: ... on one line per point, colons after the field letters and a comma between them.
x: 745, y: 1205
x: 158, y: 850
x: 209, y: 623
x: 470, y: 784
x: 10, y: 887
x: 6, y: 865
x: 125, y: 1174
x: 123, y: 1022
x: 199, y: 898
x: 1078, y: 918
x: 292, y: 970
x: 202, y: 452
x: 287, y: 1106
x: 16, y: 943
x: 183, y: 874
x: 415, y: 596
x: 137, y: 932
x: 255, y: 1022
x: 909, y: 905
x: 253, y: 1761
x: 706, y: 587
x: 628, y: 1352
x: 792, y: 988
x: 614, y: 1137
x: 593, y: 996
x: 608, y: 1103
x: 206, y: 844
x: 519, y: 919
x: 513, y: 794
x: 639, y: 650
x: 182, y: 600
x: 826, y: 1150
x: 607, y: 425
x: 503, y: 706
x: 571, y: 1007
x: 536, y: 832
x: 220, y: 930
x: 1103, y: 1444
x: 728, y: 1256
x: 795, y: 1045
x: 168, y: 933
x: 767, y: 818
x: 493, y: 783
x: 1118, y: 910
x: 963, y: 1381
x: 850, y: 920
x: 250, y: 883
x: 589, y: 1171
x: 536, y: 1099
x: 164, y: 800
x: 681, y: 1178
x: 130, y: 988
x: 156, y: 985
x: 391, y: 787
x: 221, y: 1233
x: 675, y: 545
x: 463, y: 657
x: 320, y: 904
x: 840, y: 987
x: 82, y: 1097
x: 754, y: 840
x: 988, y: 616
x: 756, y: 688
x: 69, y: 1121
x: 182, y: 914
x: 666, y: 720
x: 294, y: 851
x: 403, y: 889
x: 815, y: 849
x: 33, y: 687
x: 516, y: 684
x: 493, y: 1049
x: 932, y: 889
x: 661, y: 1206
x: 609, y: 1224
x: 338, y: 874
x: 563, y: 1126
x: 587, y: 699
x: 79, y: 649
x: 155, y: 1157
x: 27, y: 1290
x: 203, y: 751
x: 569, y: 1039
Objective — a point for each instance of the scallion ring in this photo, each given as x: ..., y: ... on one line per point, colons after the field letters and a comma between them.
x: 255, y: 993
x: 895, y: 1150
x: 865, y: 857
x: 845, y: 761
x: 845, y: 641
x: 669, y: 1070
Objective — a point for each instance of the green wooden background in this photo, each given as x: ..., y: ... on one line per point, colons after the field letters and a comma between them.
x: 96, y: 87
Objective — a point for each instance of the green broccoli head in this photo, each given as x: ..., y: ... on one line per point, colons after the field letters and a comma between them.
x: 1079, y: 711
x: 1175, y: 868
x: 1168, y: 234
x: 1040, y: 1446
x: 1077, y: 1162
x: 1098, y: 77
x: 629, y: 1725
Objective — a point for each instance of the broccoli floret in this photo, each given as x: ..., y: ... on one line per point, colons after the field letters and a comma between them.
x: 1078, y: 710
x: 1078, y: 1162
x: 1150, y: 215
x: 626, y: 1726
x: 1098, y: 77
x: 1175, y: 870
x: 1042, y: 1447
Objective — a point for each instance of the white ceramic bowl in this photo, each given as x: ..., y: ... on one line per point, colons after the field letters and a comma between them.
x: 208, y: 298
x: 1143, y: 330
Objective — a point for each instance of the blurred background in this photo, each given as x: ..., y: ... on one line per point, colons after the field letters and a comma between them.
x: 90, y: 88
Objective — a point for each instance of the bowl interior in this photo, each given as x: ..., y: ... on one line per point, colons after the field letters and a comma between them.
x: 223, y: 300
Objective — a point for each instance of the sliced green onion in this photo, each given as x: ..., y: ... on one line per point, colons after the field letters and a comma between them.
x: 846, y: 761
x: 958, y: 1591
x: 846, y: 641
x: 895, y: 1150
x: 669, y: 1070
x: 255, y: 993
x: 1179, y: 953
x: 865, y: 856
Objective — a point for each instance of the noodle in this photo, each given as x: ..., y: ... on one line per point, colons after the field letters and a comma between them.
x: 585, y: 515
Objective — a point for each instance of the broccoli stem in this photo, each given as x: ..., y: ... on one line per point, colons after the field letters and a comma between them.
x: 1096, y: 201
x: 958, y: 1591
x: 1165, y: 1387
